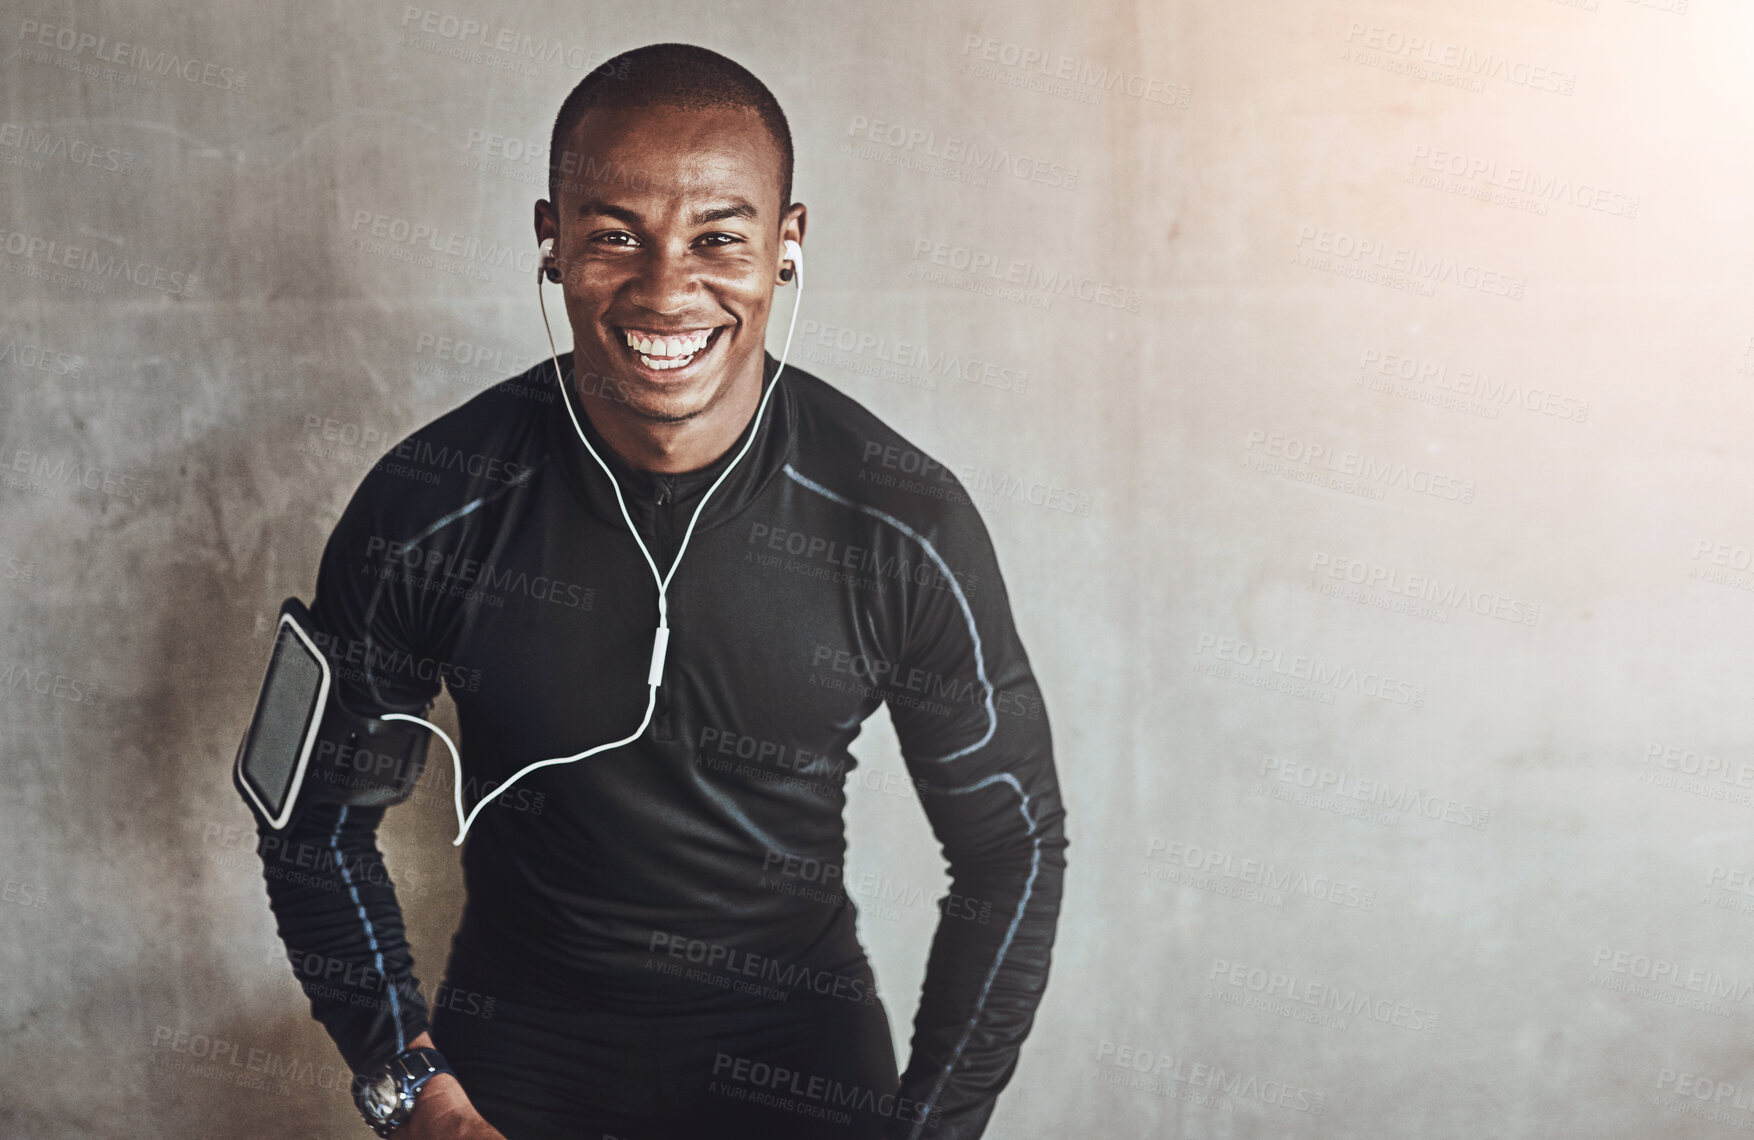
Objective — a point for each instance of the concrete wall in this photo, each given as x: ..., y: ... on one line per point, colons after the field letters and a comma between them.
x: 1375, y: 502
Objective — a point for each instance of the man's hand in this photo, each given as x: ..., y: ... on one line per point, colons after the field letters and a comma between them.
x: 442, y: 1110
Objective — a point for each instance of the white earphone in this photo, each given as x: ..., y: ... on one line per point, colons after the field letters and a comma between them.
x: 794, y: 253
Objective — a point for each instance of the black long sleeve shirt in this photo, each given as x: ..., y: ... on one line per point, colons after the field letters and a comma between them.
x: 837, y: 568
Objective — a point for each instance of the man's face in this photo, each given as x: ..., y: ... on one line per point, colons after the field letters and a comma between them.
x: 669, y: 233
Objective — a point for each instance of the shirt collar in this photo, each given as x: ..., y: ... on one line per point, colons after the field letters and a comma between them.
x: 767, y: 456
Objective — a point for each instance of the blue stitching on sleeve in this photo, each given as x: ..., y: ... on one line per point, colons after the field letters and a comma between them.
x: 370, y: 934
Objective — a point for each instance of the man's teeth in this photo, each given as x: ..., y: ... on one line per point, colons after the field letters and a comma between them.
x: 667, y: 352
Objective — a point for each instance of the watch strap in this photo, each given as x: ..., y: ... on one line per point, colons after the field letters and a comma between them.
x: 421, y: 1064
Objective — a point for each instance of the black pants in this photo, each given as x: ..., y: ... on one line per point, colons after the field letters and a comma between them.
x: 811, y: 1067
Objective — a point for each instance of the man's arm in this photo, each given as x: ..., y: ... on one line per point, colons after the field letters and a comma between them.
x: 333, y: 900
x: 975, y: 735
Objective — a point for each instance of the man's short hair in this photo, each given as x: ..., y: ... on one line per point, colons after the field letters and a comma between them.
x: 669, y: 75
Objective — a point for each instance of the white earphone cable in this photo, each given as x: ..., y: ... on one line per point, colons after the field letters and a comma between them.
x: 661, y: 639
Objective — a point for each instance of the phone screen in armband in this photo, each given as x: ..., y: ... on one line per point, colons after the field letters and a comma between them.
x: 276, y: 751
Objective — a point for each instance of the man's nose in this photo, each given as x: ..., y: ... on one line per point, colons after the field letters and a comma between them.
x: 664, y: 281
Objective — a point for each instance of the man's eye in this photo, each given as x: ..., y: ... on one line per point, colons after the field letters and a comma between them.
x: 616, y: 237
x: 717, y: 239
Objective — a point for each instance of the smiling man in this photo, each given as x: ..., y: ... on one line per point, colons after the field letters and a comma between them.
x: 658, y: 939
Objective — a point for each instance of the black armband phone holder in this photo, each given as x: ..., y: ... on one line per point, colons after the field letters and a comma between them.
x: 305, y: 746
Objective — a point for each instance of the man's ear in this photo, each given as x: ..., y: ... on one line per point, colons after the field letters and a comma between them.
x: 792, y: 224
x: 547, y: 237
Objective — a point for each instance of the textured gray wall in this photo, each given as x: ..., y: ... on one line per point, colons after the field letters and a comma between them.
x: 1375, y: 502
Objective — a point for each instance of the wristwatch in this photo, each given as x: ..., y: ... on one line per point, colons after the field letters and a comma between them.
x: 385, y: 1095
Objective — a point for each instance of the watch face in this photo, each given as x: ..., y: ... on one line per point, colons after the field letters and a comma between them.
x: 383, y: 1097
